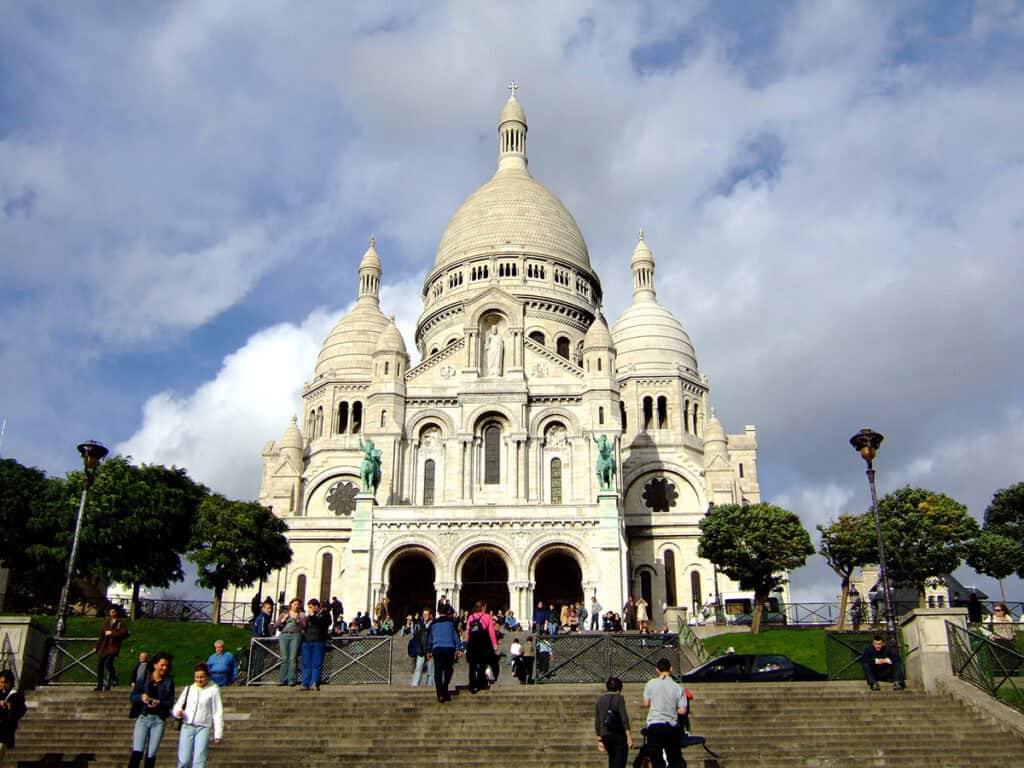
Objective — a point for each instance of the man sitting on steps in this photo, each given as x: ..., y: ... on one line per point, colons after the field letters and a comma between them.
x: 882, y: 663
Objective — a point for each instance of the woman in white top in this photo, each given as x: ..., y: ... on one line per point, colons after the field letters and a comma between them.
x: 200, y: 711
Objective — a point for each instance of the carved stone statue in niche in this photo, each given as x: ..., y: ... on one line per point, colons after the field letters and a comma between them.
x: 431, y: 440
x: 494, y: 352
x: 556, y: 437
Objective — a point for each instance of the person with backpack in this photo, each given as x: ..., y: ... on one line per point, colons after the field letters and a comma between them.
x: 481, y: 646
x: 418, y: 649
x: 611, y: 723
x: 443, y: 646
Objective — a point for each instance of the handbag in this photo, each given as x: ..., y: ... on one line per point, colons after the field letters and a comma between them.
x: 179, y: 721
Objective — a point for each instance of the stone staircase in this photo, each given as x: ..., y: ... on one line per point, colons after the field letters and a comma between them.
x: 812, y: 725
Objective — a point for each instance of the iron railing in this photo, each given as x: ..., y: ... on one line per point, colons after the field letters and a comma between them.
x: 993, y: 665
x: 237, y: 613
x: 688, y: 639
x: 66, y: 661
x: 353, y: 660
x: 593, y: 658
x: 842, y: 654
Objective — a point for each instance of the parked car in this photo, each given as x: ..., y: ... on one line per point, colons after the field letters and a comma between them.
x: 750, y: 668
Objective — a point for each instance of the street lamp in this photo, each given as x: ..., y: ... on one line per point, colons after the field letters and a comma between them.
x: 866, y: 443
x: 92, y: 454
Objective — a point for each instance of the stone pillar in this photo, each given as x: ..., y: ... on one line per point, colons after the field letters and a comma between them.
x: 28, y: 645
x: 924, y: 633
x: 610, y: 550
x: 359, y: 556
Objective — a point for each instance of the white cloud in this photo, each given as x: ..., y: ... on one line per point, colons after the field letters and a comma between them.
x: 218, y: 430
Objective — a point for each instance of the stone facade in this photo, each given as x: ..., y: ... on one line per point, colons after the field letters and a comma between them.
x: 488, y: 445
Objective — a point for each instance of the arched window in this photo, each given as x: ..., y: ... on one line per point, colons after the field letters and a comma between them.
x: 387, y: 368
x: 662, y: 412
x: 492, y: 454
x: 696, y: 413
x: 433, y: 352
x: 383, y: 418
x: 686, y: 416
x: 342, y: 418
x: 300, y: 588
x: 320, y: 421
x: 428, y: 482
x: 599, y: 363
x: 556, y: 481
x: 562, y: 347
x: 326, y: 566
x: 622, y: 414
x: 670, y: 577
x: 741, y: 470
x: 311, y: 424
x: 648, y: 412
x: 538, y: 337
x: 600, y: 414
x: 357, y: 417
x: 695, y: 592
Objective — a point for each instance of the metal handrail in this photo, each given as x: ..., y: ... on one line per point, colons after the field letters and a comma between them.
x: 689, y: 639
x: 991, y: 665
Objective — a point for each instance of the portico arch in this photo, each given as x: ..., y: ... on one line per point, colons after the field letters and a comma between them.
x: 483, y: 574
x: 410, y: 578
x: 557, y: 572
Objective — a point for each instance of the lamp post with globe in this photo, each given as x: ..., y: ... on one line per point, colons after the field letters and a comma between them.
x: 92, y: 454
x: 866, y: 443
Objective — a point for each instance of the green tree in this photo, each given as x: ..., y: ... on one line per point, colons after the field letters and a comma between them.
x: 757, y: 545
x: 995, y: 555
x: 925, y: 533
x: 236, y: 542
x: 138, y: 523
x: 847, y: 544
x: 1005, y: 516
x: 33, y: 518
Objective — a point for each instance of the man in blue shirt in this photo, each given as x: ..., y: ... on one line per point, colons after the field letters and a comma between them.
x: 664, y: 701
x: 222, y: 665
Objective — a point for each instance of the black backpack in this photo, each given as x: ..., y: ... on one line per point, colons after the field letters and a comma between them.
x: 612, y: 719
x: 476, y: 628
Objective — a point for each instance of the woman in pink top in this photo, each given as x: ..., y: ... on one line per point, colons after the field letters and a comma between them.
x: 481, y: 646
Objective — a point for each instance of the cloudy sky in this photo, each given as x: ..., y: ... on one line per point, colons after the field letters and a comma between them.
x: 834, y: 192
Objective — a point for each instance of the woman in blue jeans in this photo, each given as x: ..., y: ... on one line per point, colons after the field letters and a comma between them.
x: 290, y: 626
x: 152, y: 698
x: 314, y: 643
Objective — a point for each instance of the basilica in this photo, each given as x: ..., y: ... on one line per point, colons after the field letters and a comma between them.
x: 489, y: 445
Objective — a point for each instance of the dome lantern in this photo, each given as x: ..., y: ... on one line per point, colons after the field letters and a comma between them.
x: 512, y: 132
x: 643, y: 271
x: 369, y: 275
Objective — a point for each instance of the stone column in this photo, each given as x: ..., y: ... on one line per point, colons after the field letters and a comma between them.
x: 610, y: 551
x: 355, y: 586
x: 924, y: 633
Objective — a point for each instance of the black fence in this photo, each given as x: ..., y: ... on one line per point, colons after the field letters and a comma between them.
x: 67, y: 661
x: 993, y: 664
x: 593, y: 658
x: 842, y: 654
x: 348, y: 661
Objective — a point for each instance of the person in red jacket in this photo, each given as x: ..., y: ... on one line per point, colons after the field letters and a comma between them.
x: 481, y: 646
x: 108, y: 646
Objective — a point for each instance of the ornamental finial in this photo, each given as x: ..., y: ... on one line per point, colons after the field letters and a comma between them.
x: 513, y: 86
x: 373, y: 241
x: 641, y: 233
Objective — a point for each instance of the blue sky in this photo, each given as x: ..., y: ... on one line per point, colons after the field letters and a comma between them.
x: 833, y: 192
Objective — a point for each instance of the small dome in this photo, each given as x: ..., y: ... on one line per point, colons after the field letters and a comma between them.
x: 512, y: 110
x: 642, y: 252
x: 714, y: 432
x: 350, y: 344
x: 648, y: 337
x: 370, y: 258
x: 598, y: 336
x: 292, y: 437
x: 391, y: 340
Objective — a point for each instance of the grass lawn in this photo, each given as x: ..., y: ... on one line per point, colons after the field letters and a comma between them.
x: 188, y: 642
x: 804, y: 646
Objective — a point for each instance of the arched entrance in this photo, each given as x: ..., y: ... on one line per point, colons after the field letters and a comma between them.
x: 410, y: 584
x: 558, y: 577
x: 484, y: 577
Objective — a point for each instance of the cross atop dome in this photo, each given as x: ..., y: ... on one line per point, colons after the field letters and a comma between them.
x: 641, y: 233
x: 513, y: 86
